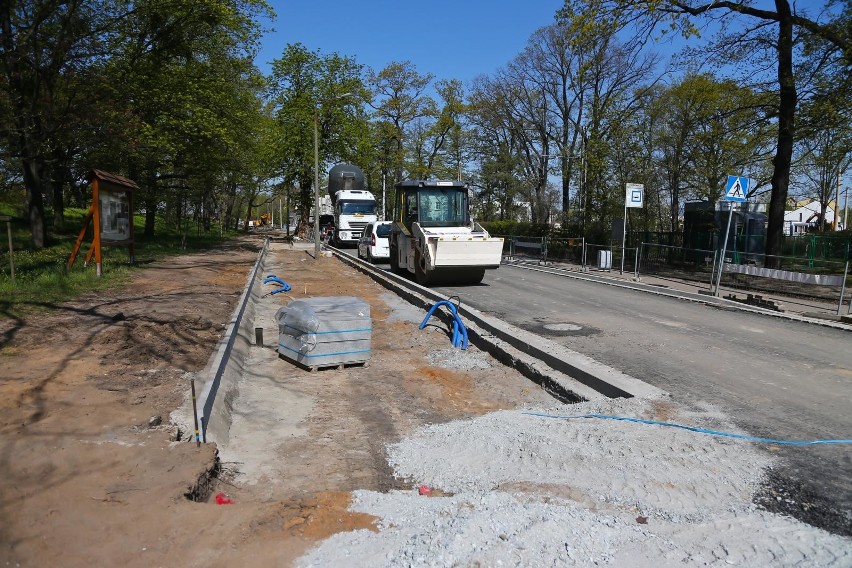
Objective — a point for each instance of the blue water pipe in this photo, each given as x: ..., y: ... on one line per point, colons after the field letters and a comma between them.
x: 695, y: 429
x: 459, y: 329
x: 282, y: 285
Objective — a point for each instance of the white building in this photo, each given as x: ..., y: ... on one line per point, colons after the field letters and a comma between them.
x: 805, y: 217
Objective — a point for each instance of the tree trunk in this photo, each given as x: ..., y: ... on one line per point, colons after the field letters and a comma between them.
x: 150, y: 199
x: 60, y: 176
x: 303, y: 207
x: 150, y: 214
x: 235, y: 214
x: 674, y: 192
x: 78, y: 194
x: 35, y: 202
x: 786, y: 132
x: 58, y: 207
x: 566, y: 189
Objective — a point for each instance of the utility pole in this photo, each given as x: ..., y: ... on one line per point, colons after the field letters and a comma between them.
x: 317, y: 180
x: 316, y: 190
x: 837, y: 202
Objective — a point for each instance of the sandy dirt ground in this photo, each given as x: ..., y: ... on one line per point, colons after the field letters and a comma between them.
x: 92, y: 474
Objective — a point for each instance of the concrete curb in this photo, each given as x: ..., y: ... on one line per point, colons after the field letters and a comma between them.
x: 568, y: 375
x: 238, y: 335
x: 687, y: 296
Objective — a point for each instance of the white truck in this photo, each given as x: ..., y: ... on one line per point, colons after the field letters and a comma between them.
x: 354, y: 208
x: 434, y: 238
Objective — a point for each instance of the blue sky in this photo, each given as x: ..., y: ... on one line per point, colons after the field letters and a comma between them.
x: 451, y: 39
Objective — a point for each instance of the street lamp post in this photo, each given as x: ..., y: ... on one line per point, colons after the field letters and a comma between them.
x: 316, y: 189
x: 317, y: 180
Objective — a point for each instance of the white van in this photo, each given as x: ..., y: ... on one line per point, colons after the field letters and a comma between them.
x: 373, y: 243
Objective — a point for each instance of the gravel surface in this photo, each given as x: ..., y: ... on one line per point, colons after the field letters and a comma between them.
x: 460, y: 359
x: 514, y: 489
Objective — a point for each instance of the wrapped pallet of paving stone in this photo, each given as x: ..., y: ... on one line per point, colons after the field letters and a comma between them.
x: 325, y: 332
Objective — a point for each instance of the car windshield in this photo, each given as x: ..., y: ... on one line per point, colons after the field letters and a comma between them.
x: 442, y: 207
x: 382, y: 230
x: 356, y: 207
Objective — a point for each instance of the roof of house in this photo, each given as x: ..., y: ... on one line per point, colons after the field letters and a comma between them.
x: 112, y: 179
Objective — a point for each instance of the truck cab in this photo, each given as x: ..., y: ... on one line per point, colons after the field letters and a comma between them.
x: 353, y: 210
x: 353, y: 207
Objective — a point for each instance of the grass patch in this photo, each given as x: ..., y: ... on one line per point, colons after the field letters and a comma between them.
x: 42, y: 279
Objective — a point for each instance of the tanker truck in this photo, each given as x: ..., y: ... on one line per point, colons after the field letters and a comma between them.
x: 354, y: 207
x: 434, y: 238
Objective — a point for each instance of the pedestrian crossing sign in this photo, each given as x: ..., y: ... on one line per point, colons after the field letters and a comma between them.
x: 737, y: 188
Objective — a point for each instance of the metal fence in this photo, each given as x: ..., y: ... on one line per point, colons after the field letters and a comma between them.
x: 600, y: 257
x: 795, y: 277
x: 693, y: 265
x: 568, y: 250
x: 525, y: 247
x: 814, y: 279
x: 816, y: 247
x: 806, y: 277
x: 544, y: 249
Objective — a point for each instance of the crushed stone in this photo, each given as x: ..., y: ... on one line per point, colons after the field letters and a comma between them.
x: 459, y: 359
x: 524, y: 490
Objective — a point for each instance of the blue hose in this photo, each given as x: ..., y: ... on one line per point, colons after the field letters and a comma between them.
x: 282, y: 285
x: 695, y: 429
x: 459, y: 330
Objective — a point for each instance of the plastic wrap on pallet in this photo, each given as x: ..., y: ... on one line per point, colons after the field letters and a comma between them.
x: 324, y: 330
x: 301, y: 316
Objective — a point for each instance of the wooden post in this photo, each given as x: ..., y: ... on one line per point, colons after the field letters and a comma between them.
x: 116, y: 188
x: 96, y: 241
x: 81, y: 236
x: 8, y: 220
x: 131, y: 228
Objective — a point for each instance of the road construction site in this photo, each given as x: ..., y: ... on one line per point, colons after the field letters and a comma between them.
x: 516, y: 451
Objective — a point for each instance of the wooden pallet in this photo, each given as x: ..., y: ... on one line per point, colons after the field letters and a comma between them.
x: 339, y: 366
x: 324, y: 367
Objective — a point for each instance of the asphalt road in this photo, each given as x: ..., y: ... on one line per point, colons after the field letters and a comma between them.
x: 775, y: 378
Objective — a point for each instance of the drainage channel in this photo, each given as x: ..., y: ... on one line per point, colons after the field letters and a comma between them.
x: 225, y: 367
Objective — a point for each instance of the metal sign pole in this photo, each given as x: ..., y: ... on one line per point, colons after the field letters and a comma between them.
x: 843, y: 288
x: 713, y: 270
x: 724, y: 249
x: 849, y: 309
x: 316, y: 190
x: 636, y: 264
x: 623, y: 235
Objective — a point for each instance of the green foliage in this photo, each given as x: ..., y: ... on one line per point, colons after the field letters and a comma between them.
x: 766, y: 45
x: 160, y: 90
x: 308, y: 88
x: 403, y: 109
x: 516, y: 228
x: 166, y: 93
